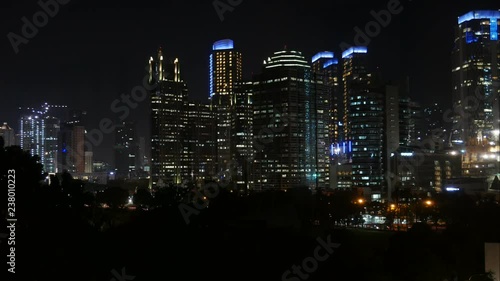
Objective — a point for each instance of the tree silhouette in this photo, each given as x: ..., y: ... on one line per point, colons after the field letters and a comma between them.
x: 143, y: 198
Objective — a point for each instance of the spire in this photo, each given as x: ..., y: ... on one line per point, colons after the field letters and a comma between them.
x: 160, y: 65
x: 177, y: 70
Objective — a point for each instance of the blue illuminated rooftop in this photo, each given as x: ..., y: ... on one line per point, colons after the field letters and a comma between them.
x: 225, y: 44
x: 354, y: 50
x: 322, y: 55
x: 477, y: 15
x: 330, y: 62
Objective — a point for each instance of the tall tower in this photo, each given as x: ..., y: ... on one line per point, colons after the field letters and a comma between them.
x: 71, y: 144
x: 32, y: 134
x: 126, y: 150
x: 169, y: 122
x: 290, y: 124
x: 364, y: 118
x: 355, y: 81
x: 225, y: 71
x: 475, y: 73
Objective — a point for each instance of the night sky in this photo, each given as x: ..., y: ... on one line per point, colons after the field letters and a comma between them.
x: 90, y: 52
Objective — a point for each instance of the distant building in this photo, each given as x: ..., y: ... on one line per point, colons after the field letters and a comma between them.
x: 71, y: 143
x: 325, y: 67
x: 290, y: 125
x: 8, y: 135
x: 101, y: 166
x: 126, y: 150
x: 89, y: 162
x: 476, y: 87
x: 242, y: 150
x: 201, y: 143
x: 475, y: 74
x: 169, y: 122
x: 32, y: 135
x: 225, y: 64
x: 52, y: 127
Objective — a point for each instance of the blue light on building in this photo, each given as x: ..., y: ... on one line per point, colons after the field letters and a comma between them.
x: 494, y: 29
x: 336, y: 150
x: 226, y: 44
x: 354, y: 50
x: 477, y: 15
x: 323, y: 55
x: 330, y: 62
x: 470, y: 37
x: 211, y: 74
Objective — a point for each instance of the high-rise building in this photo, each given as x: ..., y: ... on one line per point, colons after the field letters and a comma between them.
x: 371, y: 116
x: 8, y: 135
x: 242, y: 135
x: 89, y: 162
x: 169, y: 123
x: 126, y: 150
x: 225, y: 64
x: 201, y: 142
x: 52, y: 127
x: 476, y: 82
x: 355, y: 82
x: 475, y: 71
x: 32, y: 134
x: 71, y: 143
x: 39, y: 134
x: 289, y: 125
x: 325, y: 67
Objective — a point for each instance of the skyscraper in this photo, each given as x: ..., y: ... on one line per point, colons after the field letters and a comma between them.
x: 290, y: 124
x: 366, y: 122
x: 52, y: 127
x: 71, y: 144
x: 326, y: 66
x: 475, y: 73
x: 242, y: 135
x: 225, y: 70
x: 169, y: 122
x: 32, y: 134
x: 201, y: 142
x: 126, y: 150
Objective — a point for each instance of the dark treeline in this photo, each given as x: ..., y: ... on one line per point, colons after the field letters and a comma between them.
x: 64, y: 233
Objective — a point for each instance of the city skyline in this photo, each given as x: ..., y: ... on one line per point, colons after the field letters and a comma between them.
x: 122, y: 70
x: 293, y: 140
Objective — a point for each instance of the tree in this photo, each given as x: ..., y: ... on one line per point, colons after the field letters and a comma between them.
x: 115, y: 196
x: 143, y: 197
x: 24, y: 173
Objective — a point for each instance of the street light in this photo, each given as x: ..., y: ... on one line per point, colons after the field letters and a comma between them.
x: 428, y: 202
x: 361, y: 201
